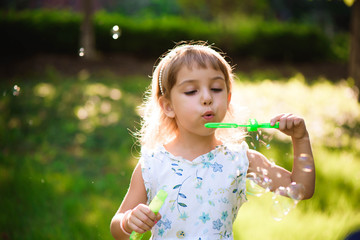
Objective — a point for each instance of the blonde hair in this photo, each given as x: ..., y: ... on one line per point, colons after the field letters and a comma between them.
x: 156, y: 127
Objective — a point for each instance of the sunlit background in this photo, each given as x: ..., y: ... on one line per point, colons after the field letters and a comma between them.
x: 73, y: 73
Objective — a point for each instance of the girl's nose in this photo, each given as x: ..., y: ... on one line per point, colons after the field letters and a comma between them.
x: 206, y: 98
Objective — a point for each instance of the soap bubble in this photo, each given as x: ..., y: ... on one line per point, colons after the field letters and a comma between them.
x: 281, y: 191
x: 16, y: 90
x: 257, y: 184
x: 296, y: 191
x: 282, y: 205
x: 116, y: 32
x: 81, y: 52
x: 253, y: 189
x: 267, y: 145
x: 305, y: 162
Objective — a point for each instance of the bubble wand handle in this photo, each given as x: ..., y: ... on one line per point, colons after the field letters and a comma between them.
x: 268, y: 125
x: 154, y: 206
x: 251, y: 127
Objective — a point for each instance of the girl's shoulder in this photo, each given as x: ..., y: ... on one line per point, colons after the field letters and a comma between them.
x: 155, y: 151
x: 237, y: 147
x: 153, y: 155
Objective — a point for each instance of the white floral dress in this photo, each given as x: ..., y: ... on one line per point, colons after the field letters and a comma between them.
x: 204, y: 195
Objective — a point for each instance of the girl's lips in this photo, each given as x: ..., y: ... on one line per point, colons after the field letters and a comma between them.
x: 208, y: 115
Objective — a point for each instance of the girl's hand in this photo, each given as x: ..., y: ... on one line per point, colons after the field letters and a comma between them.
x: 291, y: 125
x: 141, y: 219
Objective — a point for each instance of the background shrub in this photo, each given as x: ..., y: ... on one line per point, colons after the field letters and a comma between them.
x: 34, y: 31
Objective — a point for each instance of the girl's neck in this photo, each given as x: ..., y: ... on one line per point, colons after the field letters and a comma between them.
x: 192, y: 147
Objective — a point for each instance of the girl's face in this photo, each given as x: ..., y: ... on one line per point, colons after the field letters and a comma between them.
x: 199, y: 96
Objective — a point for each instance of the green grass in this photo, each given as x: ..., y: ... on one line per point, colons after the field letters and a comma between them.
x: 67, y: 155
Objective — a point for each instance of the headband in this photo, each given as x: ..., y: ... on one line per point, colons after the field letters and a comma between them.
x: 160, y: 81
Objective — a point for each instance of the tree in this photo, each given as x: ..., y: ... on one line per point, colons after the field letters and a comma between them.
x: 87, y: 35
x: 354, y: 61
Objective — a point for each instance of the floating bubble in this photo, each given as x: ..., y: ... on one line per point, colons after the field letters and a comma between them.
x: 296, y: 191
x: 267, y: 145
x: 16, y: 90
x: 257, y: 184
x: 81, y: 52
x: 281, y: 191
x: 116, y: 32
x: 305, y: 162
x: 266, y: 183
x: 264, y: 171
x: 282, y: 205
x: 277, y: 211
x: 253, y: 189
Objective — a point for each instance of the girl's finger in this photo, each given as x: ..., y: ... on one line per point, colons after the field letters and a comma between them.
x: 276, y: 119
x: 139, y: 226
x: 290, y: 122
x: 298, y: 121
x: 140, y: 218
x: 283, y: 122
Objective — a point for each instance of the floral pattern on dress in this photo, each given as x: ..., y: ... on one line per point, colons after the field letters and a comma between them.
x: 204, y: 194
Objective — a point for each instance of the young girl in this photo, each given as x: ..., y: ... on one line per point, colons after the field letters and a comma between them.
x: 203, y: 174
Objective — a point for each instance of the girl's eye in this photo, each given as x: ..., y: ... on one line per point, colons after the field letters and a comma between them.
x: 216, y: 89
x: 190, y: 92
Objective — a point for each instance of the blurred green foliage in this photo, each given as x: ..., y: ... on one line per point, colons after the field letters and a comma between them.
x: 67, y: 154
x: 34, y: 31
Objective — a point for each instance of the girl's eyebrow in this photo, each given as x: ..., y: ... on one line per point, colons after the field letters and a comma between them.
x: 195, y: 80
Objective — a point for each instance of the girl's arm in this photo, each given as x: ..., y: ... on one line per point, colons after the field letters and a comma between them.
x: 133, y: 211
x: 294, y: 127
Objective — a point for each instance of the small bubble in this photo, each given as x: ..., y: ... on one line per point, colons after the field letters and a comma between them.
x: 81, y: 52
x: 277, y: 212
x: 257, y: 184
x: 296, y: 191
x: 116, y: 32
x: 253, y: 189
x: 42, y: 180
x: 281, y: 205
x: 264, y: 171
x: 305, y: 162
x: 16, y: 90
x: 264, y: 143
x: 281, y: 191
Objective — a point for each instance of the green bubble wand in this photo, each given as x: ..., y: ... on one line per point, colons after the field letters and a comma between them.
x: 252, y: 125
x: 154, y: 206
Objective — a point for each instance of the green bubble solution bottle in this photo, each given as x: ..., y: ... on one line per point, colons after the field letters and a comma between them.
x: 154, y: 206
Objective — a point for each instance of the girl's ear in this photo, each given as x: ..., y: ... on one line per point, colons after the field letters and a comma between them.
x: 167, y: 107
x: 229, y: 99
